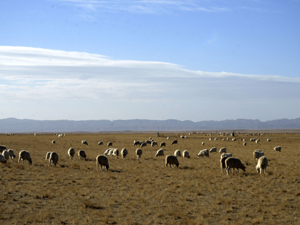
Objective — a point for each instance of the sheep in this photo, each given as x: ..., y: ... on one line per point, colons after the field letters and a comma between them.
x: 25, y: 155
x: 268, y: 139
x: 222, y: 161
x: 47, y: 156
x: 226, y: 155
x: 213, y: 149
x: 115, y: 152
x: 71, y: 153
x: 53, y: 141
x: 11, y: 154
x: 204, y: 152
x: 186, y: 154
x: 143, y: 144
x: 174, y: 142
x: 277, y: 148
x: 203, y: 143
x: 258, y: 153
x: 258, y: 140
x: 160, y: 152
x: 124, y: 153
x: 2, y: 159
x: 102, y: 161
x: 139, y: 153
x: 245, y: 143
x: 222, y: 150
x: 262, y: 164
x: 109, y: 144
x: 162, y: 144
x: 2, y: 148
x: 135, y: 142
x: 54, y: 158
x: 5, y: 153
x: 84, y: 142
x: 177, y: 152
x: 100, y: 143
x: 153, y: 143
x: 171, y: 160
x: 107, y: 151
x: 82, y: 154
x: 234, y: 163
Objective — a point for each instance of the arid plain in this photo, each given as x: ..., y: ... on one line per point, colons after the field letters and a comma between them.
x: 144, y: 191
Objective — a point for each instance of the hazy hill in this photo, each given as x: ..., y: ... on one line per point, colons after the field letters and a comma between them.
x: 13, y: 125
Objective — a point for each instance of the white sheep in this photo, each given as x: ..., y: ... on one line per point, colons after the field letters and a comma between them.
x: 258, y: 140
x: 160, y: 152
x: 186, y: 154
x: 2, y: 159
x: 213, y: 149
x: 245, y: 143
x: 84, y: 142
x: 223, y: 150
x: 53, y: 141
x: 234, y: 163
x: 25, y: 155
x: 115, y: 152
x: 124, y: 153
x: 171, y: 160
x: 71, y: 153
x: 11, y: 154
x: 100, y: 143
x: 222, y: 161
x: 107, y: 151
x: 277, y: 148
x: 204, y: 152
x: 153, y: 143
x: 177, y: 152
x: 102, y: 161
x: 47, y: 156
x: 226, y: 155
x: 82, y: 154
x: 258, y: 153
x: 203, y: 143
x: 2, y: 148
x: 262, y: 164
x: 5, y: 153
x: 138, y: 152
x: 54, y: 158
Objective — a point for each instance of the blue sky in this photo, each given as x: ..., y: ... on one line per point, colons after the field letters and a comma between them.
x: 172, y: 59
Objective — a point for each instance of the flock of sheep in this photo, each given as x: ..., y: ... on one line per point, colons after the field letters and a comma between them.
x: 227, y: 162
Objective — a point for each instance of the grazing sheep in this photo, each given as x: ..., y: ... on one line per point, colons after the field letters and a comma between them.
x: 82, y: 154
x: 204, y: 152
x: 171, y: 160
x: 177, y: 152
x: 258, y: 140
x: 258, y: 153
x: 107, y: 151
x: 162, y: 144
x: 160, y: 152
x: 226, y: 155
x: 2, y: 148
x: 2, y: 159
x: 25, y: 155
x: 186, y: 154
x: 268, y: 139
x: 5, y: 153
x: 143, y: 144
x: 47, y: 156
x: 153, y: 143
x: 54, y: 158
x: 262, y: 164
x: 234, y: 163
x: 174, y: 142
x: 203, y: 143
x: 233, y: 139
x: 124, y: 153
x: 213, y: 149
x: 109, y: 144
x: 100, y: 143
x: 138, y: 152
x: 102, y: 161
x: 84, y: 142
x: 71, y: 152
x: 115, y: 152
x: 53, y: 141
x: 222, y: 162
x: 11, y: 154
x: 277, y: 148
x: 135, y: 142
x: 222, y: 150
x: 245, y: 143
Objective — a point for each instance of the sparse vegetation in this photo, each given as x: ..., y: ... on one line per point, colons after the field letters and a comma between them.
x: 144, y: 191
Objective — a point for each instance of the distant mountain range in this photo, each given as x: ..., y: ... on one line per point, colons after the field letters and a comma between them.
x: 13, y: 125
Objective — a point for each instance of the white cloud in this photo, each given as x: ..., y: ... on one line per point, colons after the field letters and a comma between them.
x: 31, y: 75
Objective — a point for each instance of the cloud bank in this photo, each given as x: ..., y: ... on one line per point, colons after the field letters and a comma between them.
x: 91, y: 86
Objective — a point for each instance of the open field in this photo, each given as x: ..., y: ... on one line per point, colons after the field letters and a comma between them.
x: 144, y: 191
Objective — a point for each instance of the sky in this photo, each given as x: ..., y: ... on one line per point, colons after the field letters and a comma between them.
x: 150, y: 59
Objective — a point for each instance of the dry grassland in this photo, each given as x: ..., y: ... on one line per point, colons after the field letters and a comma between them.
x: 144, y: 191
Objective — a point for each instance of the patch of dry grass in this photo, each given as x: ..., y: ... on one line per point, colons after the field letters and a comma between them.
x: 144, y: 191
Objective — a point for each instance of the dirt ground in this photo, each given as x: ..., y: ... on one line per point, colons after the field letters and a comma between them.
x: 144, y: 191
